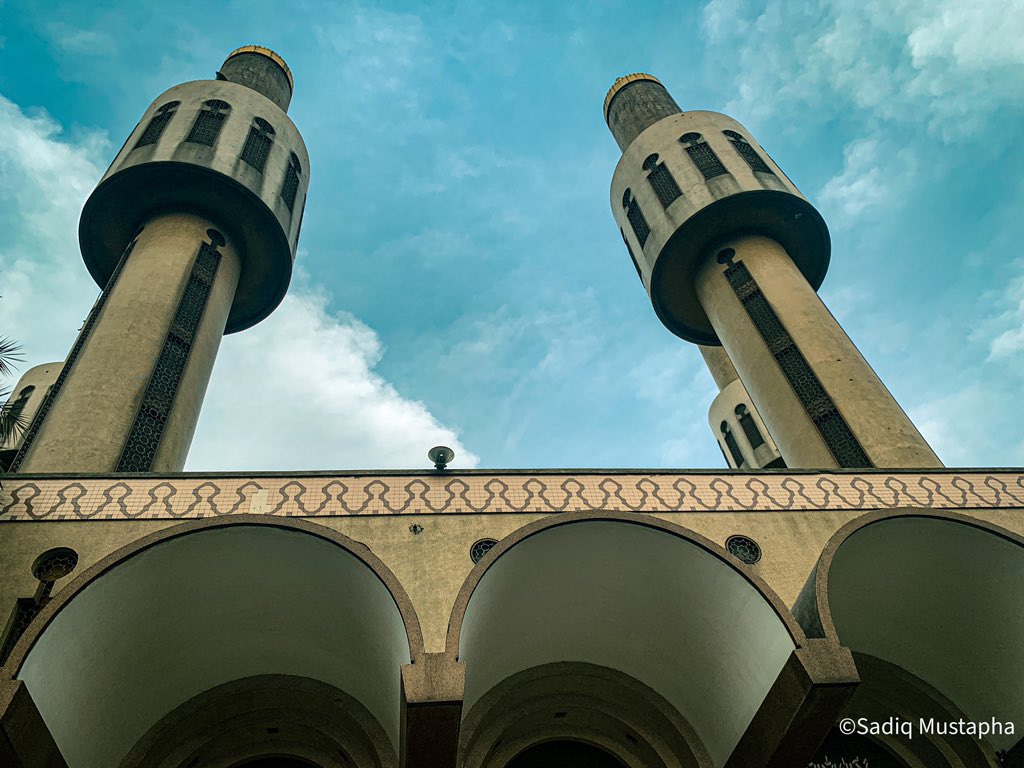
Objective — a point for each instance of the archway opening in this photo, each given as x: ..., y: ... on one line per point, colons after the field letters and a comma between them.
x: 206, y: 608
x: 564, y: 754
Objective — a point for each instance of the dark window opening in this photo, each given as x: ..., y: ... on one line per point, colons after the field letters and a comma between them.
x: 748, y: 153
x: 257, y: 144
x: 732, y: 445
x: 703, y: 156
x: 209, y: 121
x: 662, y: 182
x: 291, y: 181
x: 636, y: 217
x: 157, y: 124
x: 749, y: 426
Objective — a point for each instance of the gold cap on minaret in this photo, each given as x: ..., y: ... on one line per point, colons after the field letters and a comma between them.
x: 621, y: 83
x: 264, y: 51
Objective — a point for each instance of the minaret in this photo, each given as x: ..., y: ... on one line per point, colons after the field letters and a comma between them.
x: 734, y: 420
x: 732, y: 254
x: 191, y: 233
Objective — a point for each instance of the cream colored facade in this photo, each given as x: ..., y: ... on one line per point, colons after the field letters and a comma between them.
x: 499, y: 619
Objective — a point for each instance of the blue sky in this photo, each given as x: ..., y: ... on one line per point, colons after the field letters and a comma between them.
x: 461, y: 279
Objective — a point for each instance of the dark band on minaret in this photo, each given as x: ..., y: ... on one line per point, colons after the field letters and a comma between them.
x: 262, y: 70
x: 634, y: 103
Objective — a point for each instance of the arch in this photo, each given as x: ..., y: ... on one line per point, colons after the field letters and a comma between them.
x: 206, y: 602
x: 593, y: 587
x: 754, y: 436
x: 934, y: 593
x: 637, y: 220
x: 581, y: 702
x: 734, y: 447
x: 253, y: 718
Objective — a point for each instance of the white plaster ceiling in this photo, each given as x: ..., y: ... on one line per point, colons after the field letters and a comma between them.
x: 941, y: 599
x: 203, y: 609
x: 635, y: 599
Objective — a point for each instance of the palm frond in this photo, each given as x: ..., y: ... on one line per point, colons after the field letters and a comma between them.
x: 10, y: 353
x: 12, y: 421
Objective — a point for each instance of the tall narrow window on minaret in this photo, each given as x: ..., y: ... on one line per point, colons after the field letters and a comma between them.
x: 157, y: 124
x: 749, y: 426
x: 636, y: 217
x: 661, y: 181
x: 702, y: 155
x: 291, y: 181
x: 636, y: 265
x: 748, y: 153
x: 732, y: 445
x: 257, y: 144
x: 208, y: 122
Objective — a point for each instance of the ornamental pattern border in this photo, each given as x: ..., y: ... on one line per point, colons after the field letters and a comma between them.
x: 326, y: 496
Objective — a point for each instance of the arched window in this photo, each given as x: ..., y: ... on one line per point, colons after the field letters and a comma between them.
x: 257, y: 144
x: 157, y: 124
x: 732, y: 445
x: 702, y: 155
x: 208, y: 122
x: 291, y: 181
x: 749, y: 426
x: 661, y: 181
x: 636, y: 217
x: 747, y: 152
x: 636, y: 264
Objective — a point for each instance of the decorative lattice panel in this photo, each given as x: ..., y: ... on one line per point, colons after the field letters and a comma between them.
x: 745, y: 548
x: 481, y: 548
x: 291, y: 182
x: 831, y: 425
x: 144, y: 438
x: 662, y: 182
x: 703, y: 156
x: 257, y: 144
x: 748, y: 153
x: 636, y: 217
x: 157, y: 125
x: 209, y: 121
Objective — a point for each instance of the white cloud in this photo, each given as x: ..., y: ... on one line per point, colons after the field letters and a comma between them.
x: 920, y: 75
x: 296, y: 392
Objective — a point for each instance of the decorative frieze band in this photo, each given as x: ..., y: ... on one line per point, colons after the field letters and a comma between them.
x: 185, y: 497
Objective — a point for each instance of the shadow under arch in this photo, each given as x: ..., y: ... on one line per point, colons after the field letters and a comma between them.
x: 936, y: 594
x: 206, y: 602
x: 654, y: 601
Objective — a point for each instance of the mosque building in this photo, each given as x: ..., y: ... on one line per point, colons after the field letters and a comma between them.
x: 835, y: 573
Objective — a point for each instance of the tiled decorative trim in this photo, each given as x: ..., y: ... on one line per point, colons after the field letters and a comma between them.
x: 186, y: 497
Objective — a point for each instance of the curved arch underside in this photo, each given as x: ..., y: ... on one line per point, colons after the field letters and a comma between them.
x: 942, y: 599
x: 207, y: 608
x: 643, y: 601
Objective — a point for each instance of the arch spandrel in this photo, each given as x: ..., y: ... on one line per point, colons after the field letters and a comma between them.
x: 643, y: 597
x: 205, y: 603
x: 934, y: 593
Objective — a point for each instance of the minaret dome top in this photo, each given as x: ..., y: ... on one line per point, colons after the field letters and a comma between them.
x: 261, y: 69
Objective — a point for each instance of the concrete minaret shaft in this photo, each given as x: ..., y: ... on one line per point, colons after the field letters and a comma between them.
x: 191, y: 233
x: 731, y: 254
x: 737, y: 426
